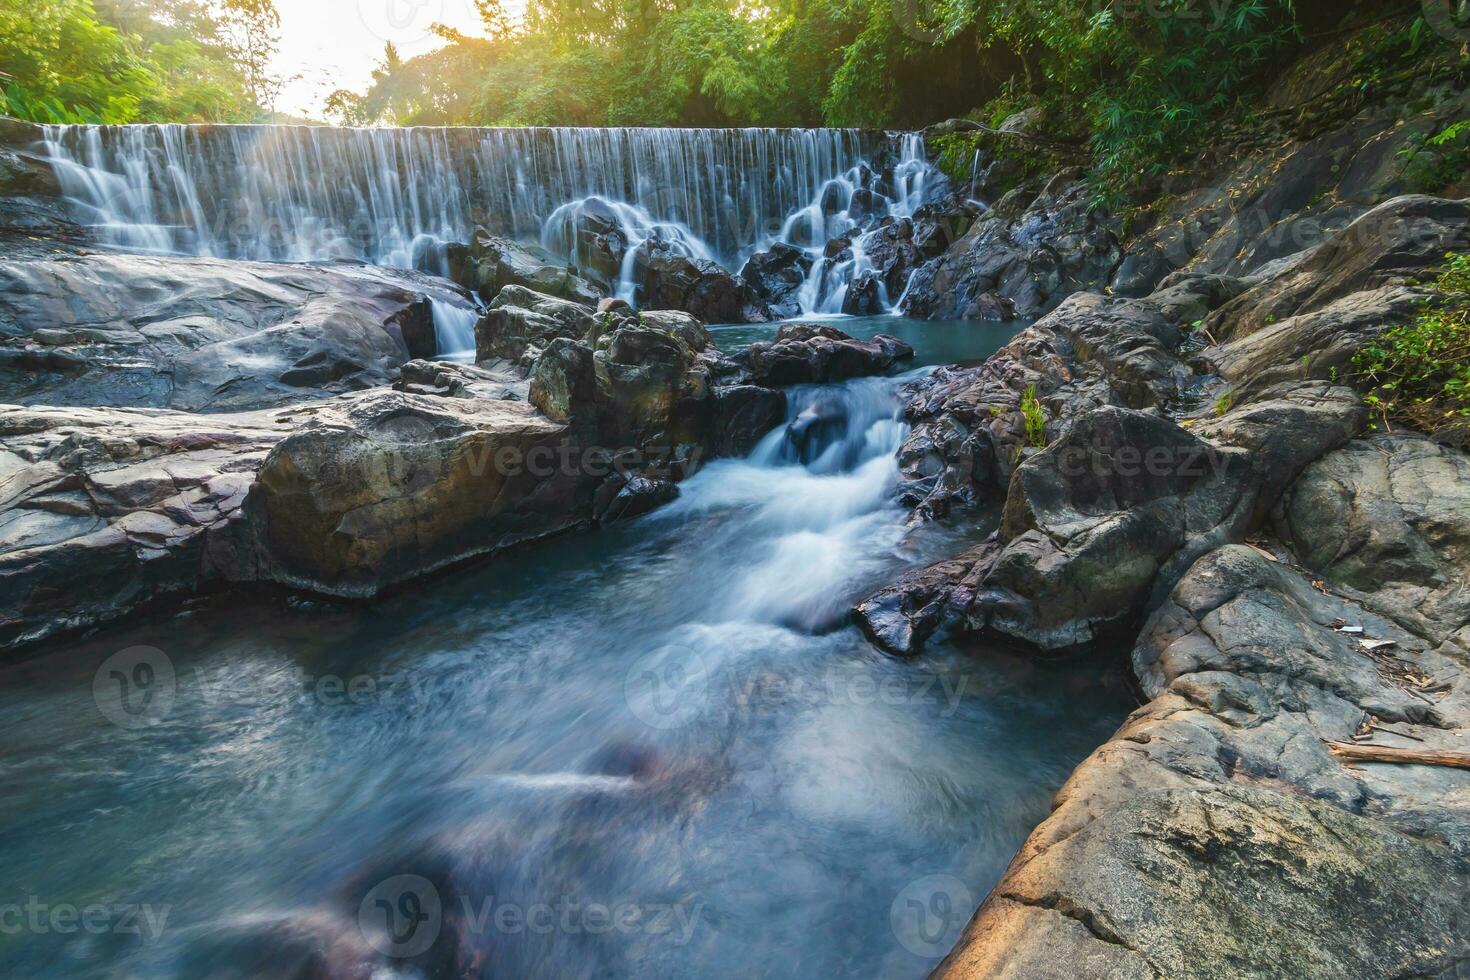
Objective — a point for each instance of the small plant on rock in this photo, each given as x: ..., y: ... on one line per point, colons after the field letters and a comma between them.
x: 1419, y: 374
x: 1035, y: 417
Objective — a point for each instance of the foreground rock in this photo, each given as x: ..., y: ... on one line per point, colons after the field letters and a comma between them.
x: 203, y: 334
x: 1217, y: 836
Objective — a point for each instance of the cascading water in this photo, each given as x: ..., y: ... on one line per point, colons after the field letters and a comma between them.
x: 454, y: 329
x: 396, y: 197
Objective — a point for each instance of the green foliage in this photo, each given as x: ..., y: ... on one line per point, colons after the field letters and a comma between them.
x: 1431, y: 164
x: 1419, y: 373
x: 119, y: 61
x: 1224, y: 403
x: 1035, y: 417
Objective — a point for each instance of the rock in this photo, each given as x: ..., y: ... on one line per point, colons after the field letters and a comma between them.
x: 1397, y: 240
x: 743, y: 414
x: 519, y: 318
x: 862, y: 297
x: 806, y: 353
x: 1387, y: 520
x: 1105, y: 519
x: 776, y: 276
x: 489, y: 264
x: 901, y: 618
x: 202, y: 334
x: 634, y: 497
x: 968, y: 430
x: 103, y: 510
x: 609, y: 304
x: 1032, y: 260
x: 643, y: 393
x: 390, y: 486
x: 1216, y: 836
x: 593, y: 233
x: 450, y: 380
x: 31, y: 202
x: 667, y: 280
x: 1187, y: 297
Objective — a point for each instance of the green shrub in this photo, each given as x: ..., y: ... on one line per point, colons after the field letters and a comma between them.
x: 1418, y: 374
x: 1224, y: 402
x: 1035, y: 417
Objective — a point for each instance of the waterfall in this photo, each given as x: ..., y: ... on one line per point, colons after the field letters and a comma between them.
x: 454, y: 329
x: 397, y: 197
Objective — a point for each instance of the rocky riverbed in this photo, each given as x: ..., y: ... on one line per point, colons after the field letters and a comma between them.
x: 1176, y: 467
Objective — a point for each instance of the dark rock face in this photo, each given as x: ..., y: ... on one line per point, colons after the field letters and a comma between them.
x: 777, y: 276
x: 1215, y: 835
x: 521, y: 320
x: 31, y: 206
x: 489, y: 264
x: 667, y: 280
x: 743, y: 415
x: 202, y: 334
x: 1282, y: 201
x: 1025, y: 263
x: 806, y: 353
x: 862, y: 297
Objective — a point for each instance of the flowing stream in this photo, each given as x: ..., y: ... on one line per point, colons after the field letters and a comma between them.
x: 654, y: 751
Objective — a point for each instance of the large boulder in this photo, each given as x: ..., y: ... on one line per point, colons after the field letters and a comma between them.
x: 390, y: 486
x: 103, y: 510
x: 1024, y: 258
x: 203, y: 334
x: 1387, y: 519
x: 520, y: 319
x: 490, y: 263
x: 968, y: 428
x: 810, y: 353
x: 1105, y: 519
x: 668, y: 280
x: 1216, y: 835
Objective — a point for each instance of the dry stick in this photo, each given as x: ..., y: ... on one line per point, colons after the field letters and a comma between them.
x: 1388, y: 753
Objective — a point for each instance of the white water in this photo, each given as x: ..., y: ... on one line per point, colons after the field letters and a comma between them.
x: 454, y: 329
x: 396, y: 197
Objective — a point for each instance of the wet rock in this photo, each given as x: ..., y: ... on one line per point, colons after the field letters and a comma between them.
x: 520, y: 318
x: 863, y: 297
x: 743, y: 414
x: 806, y: 353
x: 623, y: 499
x: 103, y: 510
x: 489, y: 264
x: 776, y: 276
x: 202, y: 334
x: 667, y: 280
x: 901, y: 618
x: 968, y: 430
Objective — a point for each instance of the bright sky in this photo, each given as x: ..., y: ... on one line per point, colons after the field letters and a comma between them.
x: 332, y: 44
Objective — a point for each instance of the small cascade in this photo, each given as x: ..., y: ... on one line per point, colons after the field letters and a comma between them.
x: 620, y: 229
x: 454, y: 329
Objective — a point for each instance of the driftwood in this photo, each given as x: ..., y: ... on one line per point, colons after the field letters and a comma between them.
x: 1352, y: 752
